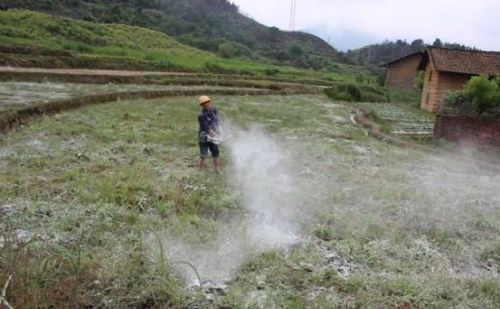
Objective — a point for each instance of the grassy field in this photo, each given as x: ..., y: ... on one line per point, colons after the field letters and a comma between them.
x: 103, y: 207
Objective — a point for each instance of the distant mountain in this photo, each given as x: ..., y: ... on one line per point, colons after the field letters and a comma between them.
x: 388, y: 51
x: 343, y: 40
x: 212, y: 25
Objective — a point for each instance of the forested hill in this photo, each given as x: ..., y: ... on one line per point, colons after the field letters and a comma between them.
x: 388, y: 51
x: 212, y: 25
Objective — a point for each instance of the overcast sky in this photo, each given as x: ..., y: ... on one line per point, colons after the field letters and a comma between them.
x: 348, y: 24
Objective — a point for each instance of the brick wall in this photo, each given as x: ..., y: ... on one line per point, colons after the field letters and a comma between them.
x: 437, y: 85
x: 483, y: 132
x: 401, y: 75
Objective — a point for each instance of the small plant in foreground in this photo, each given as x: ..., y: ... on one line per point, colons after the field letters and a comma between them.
x: 323, y: 232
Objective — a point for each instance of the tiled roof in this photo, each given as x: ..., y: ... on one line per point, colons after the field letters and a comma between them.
x: 465, y: 61
x: 403, y: 58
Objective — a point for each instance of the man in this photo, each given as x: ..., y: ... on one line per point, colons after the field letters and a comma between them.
x: 207, y: 132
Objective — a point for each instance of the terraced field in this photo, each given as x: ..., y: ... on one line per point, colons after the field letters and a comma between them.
x: 404, y: 120
x: 15, y: 95
x: 103, y: 206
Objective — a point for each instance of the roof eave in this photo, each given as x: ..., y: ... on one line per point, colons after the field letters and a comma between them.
x: 401, y: 59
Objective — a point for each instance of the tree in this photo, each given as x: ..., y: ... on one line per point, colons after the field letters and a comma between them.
x: 274, y: 33
x: 437, y: 43
x: 417, y: 44
x: 296, y: 51
x: 227, y: 50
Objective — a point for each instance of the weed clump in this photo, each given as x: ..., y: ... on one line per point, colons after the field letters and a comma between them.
x: 323, y: 232
x: 351, y: 92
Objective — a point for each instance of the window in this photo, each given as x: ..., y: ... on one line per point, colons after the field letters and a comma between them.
x: 430, y: 75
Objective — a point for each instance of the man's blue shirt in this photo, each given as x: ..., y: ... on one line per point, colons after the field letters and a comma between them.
x: 208, y: 119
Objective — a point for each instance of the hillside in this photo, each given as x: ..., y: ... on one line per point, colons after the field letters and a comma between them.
x: 114, y: 40
x: 212, y: 25
x: 53, y: 40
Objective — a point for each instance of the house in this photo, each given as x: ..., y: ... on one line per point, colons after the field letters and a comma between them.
x: 449, y: 69
x: 401, y: 73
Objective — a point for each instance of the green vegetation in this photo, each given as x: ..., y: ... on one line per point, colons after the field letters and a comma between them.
x: 409, y: 98
x: 356, y: 92
x: 214, y: 25
x: 92, y: 193
x: 113, y: 40
x: 127, y: 43
x: 480, y: 95
x: 419, y: 81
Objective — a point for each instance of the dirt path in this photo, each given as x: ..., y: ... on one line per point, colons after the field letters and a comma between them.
x: 4, y: 69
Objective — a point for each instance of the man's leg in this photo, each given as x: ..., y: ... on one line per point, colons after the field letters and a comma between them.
x: 216, y: 165
x: 202, y: 164
x: 203, y: 155
x: 214, y: 149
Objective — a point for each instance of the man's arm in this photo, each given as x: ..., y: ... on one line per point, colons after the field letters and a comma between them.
x: 214, y: 130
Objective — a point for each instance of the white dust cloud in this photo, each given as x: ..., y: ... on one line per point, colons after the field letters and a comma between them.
x: 262, y: 170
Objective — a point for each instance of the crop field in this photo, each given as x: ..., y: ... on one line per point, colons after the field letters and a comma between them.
x: 403, y: 120
x: 104, y: 207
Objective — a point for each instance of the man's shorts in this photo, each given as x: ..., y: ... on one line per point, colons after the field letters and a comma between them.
x: 204, y: 147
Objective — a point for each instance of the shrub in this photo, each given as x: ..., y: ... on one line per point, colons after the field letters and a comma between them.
x: 479, y: 95
x: 227, y: 50
x: 271, y: 72
x: 337, y: 94
x: 344, y: 92
x: 218, y: 69
x: 459, y: 101
x: 323, y: 232
x: 295, y: 51
x: 333, y: 93
x: 418, y: 82
x: 483, y: 93
x: 359, y: 78
x: 343, y: 96
x: 77, y: 46
x: 454, y: 97
x: 353, y: 93
x: 243, y: 72
x: 14, y: 32
x: 381, y: 79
